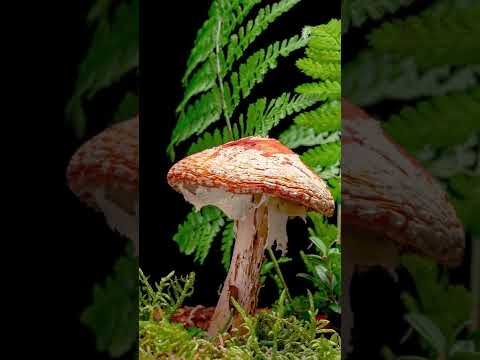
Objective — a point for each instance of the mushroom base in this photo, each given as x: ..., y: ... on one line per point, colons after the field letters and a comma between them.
x: 243, y: 279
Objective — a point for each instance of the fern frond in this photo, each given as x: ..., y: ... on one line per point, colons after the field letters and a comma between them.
x: 325, y: 40
x: 113, y: 53
x: 230, y: 14
x: 208, y: 107
x: 198, y: 231
x: 373, y: 77
x: 296, y: 136
x: 318, y: 70
x: 430, y: 36
x: 314, y: 127
x: 278, y: 109
x: 227, y: 18
x: 323, y: 52
x: 238, y: 43
x: 254, y: 69
x: 356, y: 12
x: 335, y: 186
x: 228, y: 238
x: 205, y: 111
x: 412, y: 127
x: 261, y: 118
x: 327, y: 90
x: 324, y: 159
x: 326, y: 118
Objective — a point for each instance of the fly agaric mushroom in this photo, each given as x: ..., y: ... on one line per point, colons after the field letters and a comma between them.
x: 390, y: 206
x: 103, y: 173
x: 259, y: 183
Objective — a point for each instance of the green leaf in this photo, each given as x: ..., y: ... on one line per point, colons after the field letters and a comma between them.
x: 355, y: 13
x: 327, y: 90
x: 374, y: 76
x: 435, y: 296
x: 428, y: 330
x: 128, y: 108
x: 113, y: 311
x: 431, y: 35
x: 198, y: 231
x: 324, y: 159
x: 228, y: 239
x: 112, y: 54
x: 412, y: 127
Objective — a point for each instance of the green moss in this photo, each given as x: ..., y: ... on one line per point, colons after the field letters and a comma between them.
x: 267, y: 335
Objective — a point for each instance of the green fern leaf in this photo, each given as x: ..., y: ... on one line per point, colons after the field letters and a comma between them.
x: 198, y: 231
x: 326, y: 118
x: 278, y: 109
x: 205, y: 111
x: 324, y: 159
x: 335, y: 186
x: 208, y: 108
x: 316, y: 127
x: 254, y: 69
x: 325, y: 42
x: 412, y: 127
x: 373, y: 77
x: 356, y: 12
x: 113, y: 53
x: 228, y: 239
x: 296, y: 136
x: 229, y: 14
x: 465, y: 196
x: 261, y: 118
x: 430, y: 36
x: 238, y: 43
x: 319, y: 71
x: 327, y: 90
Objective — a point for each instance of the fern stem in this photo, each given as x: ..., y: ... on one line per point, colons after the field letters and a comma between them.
x: 219, y: 77
x: 279, y: 273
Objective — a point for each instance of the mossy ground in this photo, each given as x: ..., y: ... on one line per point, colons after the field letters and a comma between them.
x: 267, y: 335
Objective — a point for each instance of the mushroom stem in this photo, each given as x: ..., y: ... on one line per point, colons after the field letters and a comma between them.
x: 243, y: 278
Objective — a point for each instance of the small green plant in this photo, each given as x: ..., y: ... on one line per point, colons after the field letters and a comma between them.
x: 442, y: 328
x: 112, y: 312
x: 324, y: 265
x: 267, y: 335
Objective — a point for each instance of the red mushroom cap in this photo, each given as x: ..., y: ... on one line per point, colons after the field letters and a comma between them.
x: 388, y: 193
x: 108, y: 160
x: 255, y: 165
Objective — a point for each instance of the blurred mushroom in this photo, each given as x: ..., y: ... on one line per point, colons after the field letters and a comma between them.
x: 103, y: 173
x: 390, y: 206
x: 259, y: 183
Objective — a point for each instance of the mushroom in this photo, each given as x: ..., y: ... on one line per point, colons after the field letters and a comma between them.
x: 390, y: 206
x: 259, y: 183
x: 103, y: 173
